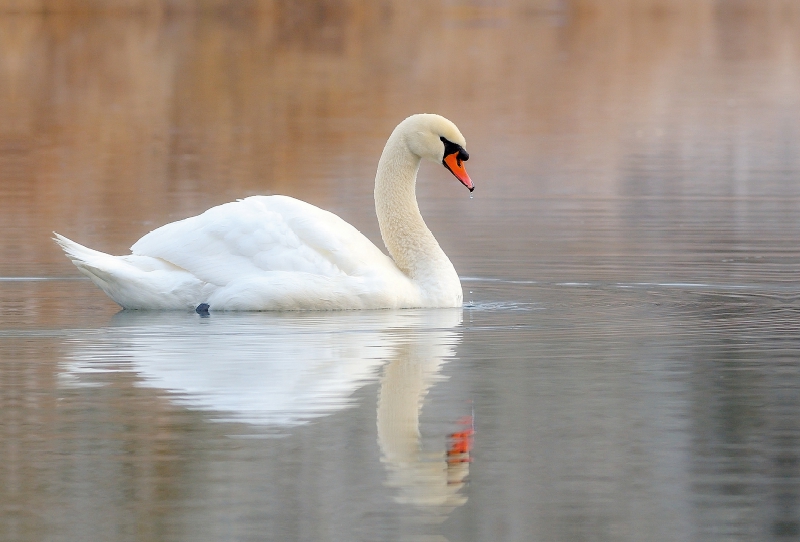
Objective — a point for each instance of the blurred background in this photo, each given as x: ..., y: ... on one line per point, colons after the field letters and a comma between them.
x: 119, y: 119
x: 630, y: 259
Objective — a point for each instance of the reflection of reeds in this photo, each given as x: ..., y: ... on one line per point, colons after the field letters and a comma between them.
x: 114, y: 125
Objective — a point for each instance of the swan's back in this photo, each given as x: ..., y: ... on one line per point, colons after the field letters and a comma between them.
x: 259, y: 234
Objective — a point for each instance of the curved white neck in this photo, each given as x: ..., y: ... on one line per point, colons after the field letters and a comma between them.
x: 408, y: 239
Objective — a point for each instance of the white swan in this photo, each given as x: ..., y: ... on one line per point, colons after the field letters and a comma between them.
x: 279, y: 253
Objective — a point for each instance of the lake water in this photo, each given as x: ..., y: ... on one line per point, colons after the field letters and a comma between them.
x: 626, y: 366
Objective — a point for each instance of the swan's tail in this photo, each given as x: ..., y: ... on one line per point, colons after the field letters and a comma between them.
x: 135, y: 282
x: 94, y: 264
x: 78, y: 253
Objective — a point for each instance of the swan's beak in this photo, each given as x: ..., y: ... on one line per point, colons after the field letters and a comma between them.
x: 455, y: 164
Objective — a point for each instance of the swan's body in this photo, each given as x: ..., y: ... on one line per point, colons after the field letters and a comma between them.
x: 279, y: 253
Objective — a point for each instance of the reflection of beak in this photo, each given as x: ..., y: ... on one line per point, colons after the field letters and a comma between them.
x: 456, y: 167
x: 461, y: 443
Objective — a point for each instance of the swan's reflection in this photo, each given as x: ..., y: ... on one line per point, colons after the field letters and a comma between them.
x: 280, y: 370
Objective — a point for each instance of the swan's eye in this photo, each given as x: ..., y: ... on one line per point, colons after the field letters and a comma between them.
x: 454, y: 148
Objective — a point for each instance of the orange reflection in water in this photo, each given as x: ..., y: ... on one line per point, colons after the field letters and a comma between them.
x: 113, y: 125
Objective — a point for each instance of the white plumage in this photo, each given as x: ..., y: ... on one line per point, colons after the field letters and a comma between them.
x: 279, y: 253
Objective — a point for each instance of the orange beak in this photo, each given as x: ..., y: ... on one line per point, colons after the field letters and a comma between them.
x: 456, y: 167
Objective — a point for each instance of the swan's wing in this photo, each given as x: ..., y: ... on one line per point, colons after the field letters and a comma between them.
x: 263, y: 233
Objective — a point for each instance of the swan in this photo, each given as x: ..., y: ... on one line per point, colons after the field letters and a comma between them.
x: 277, y: 253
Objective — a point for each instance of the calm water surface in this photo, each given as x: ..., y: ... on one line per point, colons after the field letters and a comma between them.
x: 628, y: 357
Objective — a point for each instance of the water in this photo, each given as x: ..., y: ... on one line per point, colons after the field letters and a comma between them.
x: 628, y: 352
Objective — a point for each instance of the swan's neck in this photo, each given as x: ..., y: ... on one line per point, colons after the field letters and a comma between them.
x: 408, y: 239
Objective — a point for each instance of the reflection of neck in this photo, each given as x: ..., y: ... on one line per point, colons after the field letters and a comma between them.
x: 423, y: 479
x: 405, y: 383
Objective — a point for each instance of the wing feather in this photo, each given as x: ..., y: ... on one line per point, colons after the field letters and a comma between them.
x: 259, y: 234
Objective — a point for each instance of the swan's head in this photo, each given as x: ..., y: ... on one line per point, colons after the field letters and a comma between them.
x: 437, y: 139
